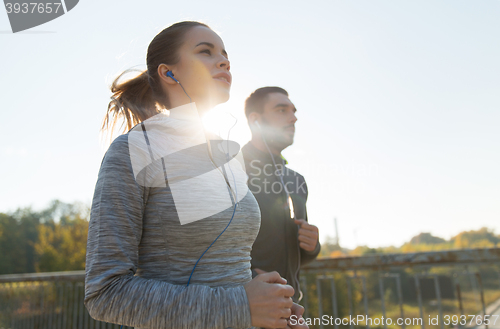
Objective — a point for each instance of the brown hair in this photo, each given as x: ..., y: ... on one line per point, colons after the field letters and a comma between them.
x: 255, y: 102
x: 142, y: 97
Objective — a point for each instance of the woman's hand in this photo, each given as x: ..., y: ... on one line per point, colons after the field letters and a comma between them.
x: 297, y: 322
x: 270, y: 300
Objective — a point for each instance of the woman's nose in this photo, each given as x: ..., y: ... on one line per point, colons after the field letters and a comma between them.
x: 224, y: 63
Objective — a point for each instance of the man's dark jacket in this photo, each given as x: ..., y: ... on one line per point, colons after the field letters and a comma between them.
x: 276, y: 246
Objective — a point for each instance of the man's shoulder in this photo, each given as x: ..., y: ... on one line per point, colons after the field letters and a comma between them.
x: 246, y: 151
x: 250, y: 156
x: 297, y: 181
x: 291, y: 172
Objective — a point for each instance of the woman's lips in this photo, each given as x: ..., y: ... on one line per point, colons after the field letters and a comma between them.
x: 223, y: 80
x: 224, y: 77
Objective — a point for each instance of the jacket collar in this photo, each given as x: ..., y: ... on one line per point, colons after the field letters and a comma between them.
x: 186, y: 112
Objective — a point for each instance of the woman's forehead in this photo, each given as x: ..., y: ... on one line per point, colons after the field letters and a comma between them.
x: 199, y: 34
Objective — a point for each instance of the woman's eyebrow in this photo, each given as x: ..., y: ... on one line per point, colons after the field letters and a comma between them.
x: 211, y: 45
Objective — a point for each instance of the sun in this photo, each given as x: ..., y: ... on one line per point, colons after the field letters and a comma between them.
x: 218, y: 122
x: 225, y: 123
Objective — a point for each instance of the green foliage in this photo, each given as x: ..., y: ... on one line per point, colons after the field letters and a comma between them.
x: 53, y: 239
x: 329, y: 248
x: 482, y: 238
x: 61, y: 246
x: 426, y: 238
x: 16, y: 241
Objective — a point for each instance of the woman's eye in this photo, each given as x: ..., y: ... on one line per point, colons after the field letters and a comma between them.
x: 206, y: 51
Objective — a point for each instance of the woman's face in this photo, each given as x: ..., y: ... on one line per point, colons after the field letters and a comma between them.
x: 203, y: 68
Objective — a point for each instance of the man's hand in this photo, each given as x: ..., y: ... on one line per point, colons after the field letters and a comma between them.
x: 308, y: 235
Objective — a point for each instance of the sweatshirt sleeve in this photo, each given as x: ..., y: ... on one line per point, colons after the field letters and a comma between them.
x: 112, y: 291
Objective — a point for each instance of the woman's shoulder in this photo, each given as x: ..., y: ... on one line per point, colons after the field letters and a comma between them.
x: 118, y: 147
x: 118, y: 153
x: 120, y: 140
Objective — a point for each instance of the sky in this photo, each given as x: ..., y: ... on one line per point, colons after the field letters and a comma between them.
x: 398, y: 104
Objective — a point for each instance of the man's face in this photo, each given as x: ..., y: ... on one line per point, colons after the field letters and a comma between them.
x: 278, y: 120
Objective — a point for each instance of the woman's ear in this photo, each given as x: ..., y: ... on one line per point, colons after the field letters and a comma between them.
x: 163, y: 70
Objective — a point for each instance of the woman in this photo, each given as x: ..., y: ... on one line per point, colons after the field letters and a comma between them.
x: 145, y: 240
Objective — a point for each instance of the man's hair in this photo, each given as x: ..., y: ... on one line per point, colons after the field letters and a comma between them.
x: 255, y: 102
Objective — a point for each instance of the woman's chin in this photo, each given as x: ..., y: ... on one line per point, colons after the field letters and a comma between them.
x: 222, y: 96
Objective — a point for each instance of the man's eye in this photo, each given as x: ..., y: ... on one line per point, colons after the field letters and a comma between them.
x: 206, y: 51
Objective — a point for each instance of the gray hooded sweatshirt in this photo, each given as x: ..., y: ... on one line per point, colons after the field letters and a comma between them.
x: 145, y: 236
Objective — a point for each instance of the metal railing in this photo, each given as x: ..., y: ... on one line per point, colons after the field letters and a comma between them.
x: 425, y: 285
x: 454, y: 279
x: 46, y: 301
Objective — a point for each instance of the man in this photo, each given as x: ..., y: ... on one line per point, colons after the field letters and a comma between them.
x: 281, y: 192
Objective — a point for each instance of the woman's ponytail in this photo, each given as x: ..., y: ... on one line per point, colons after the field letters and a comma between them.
x: 133, y: 101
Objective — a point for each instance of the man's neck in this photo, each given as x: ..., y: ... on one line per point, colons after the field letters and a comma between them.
x: 259, y: 144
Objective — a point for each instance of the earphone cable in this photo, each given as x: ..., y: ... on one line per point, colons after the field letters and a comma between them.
x: 234, y: 209
x: 234, y: 179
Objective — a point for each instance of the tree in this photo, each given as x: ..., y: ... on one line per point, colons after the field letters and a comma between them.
x: 426, y: 238
x: 62, y: 246
x: 482, y: 238
x: 53, y: 239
